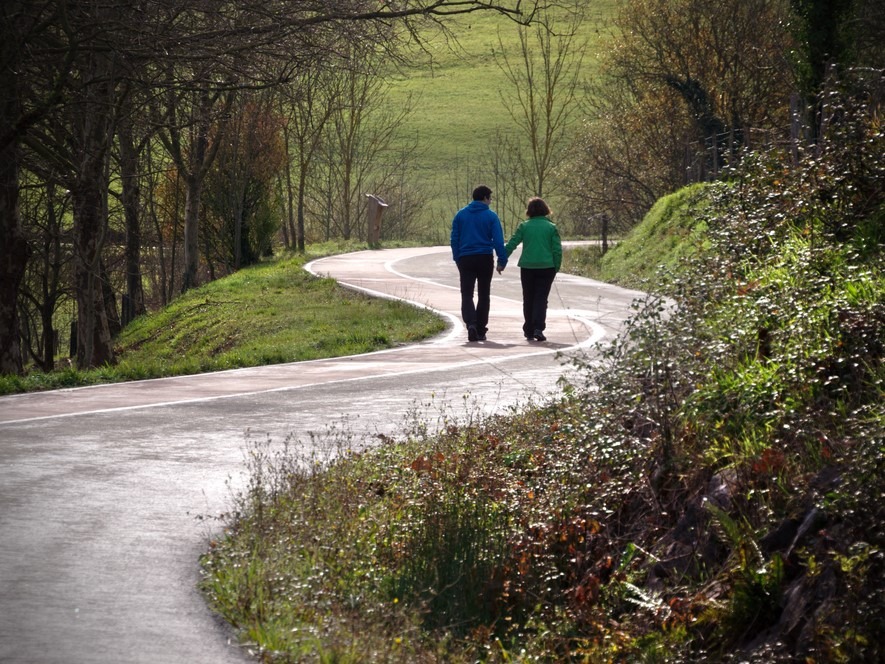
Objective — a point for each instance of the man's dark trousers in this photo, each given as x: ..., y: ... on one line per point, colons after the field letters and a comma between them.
x: 476, y: 272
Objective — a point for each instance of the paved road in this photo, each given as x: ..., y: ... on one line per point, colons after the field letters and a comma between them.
x: 102, y: 489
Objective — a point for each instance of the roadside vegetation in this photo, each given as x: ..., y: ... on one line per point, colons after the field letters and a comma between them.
x: 711, y: 493
x: 268, y: 313
x: 672, y: 232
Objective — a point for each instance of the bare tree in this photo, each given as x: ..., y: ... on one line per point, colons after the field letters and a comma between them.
x: 358, y: 145
x: 92, y: 131
x: 624, y: 158
x: 308, y: 101
x: 193, y: 150
x: 47, y: 286
x: 681, y: 88
x: 509, y: 179
x: 728, y: 63
x: 32, y: 48
x: 68, y: 69
x: 545, y: 80
x: 134, y: 136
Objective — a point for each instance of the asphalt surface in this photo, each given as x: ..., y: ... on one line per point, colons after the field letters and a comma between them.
x: 108, y: 493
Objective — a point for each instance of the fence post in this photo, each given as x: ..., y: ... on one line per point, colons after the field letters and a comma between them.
x: 73, y: 343
x: 376, y: 209
x: 795, y: 126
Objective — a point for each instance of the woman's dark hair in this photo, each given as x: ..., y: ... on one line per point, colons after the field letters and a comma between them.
x: 537, y: 208
x: 481, y: 193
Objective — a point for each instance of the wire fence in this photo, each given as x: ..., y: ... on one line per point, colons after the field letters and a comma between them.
x: 809, y: 124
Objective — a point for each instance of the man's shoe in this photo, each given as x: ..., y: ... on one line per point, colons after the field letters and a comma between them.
x: 481, y: 336
x: 539, y: 336
x: 471, y: 334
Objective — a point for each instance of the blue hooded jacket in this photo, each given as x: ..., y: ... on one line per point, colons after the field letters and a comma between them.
x: 476, y: 230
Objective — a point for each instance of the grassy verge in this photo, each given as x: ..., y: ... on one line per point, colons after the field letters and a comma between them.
x: 270, y: 313
x: 672, y: 232
x: 712, y: 493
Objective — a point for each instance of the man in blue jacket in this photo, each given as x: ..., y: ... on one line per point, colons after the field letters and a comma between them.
x: 476, y: 232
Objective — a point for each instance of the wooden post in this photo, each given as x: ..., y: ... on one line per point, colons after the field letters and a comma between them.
x: 73, y: 343
x: 376, y: 209
x: 795, y: 126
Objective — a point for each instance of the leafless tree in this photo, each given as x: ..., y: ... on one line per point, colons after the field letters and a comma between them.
x: 68, y: 71
x: 509, y: 179
x: 545, y: 80
x: 682, y: 86
x: 33, y: 47
x: 307, y: 101
x: 134, y: 136
x: 186, y: 123
x: 728, y: 63
x: 47, y: 285
x: 358, y: 146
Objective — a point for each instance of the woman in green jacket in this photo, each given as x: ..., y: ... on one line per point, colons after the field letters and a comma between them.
x: 540, y: 261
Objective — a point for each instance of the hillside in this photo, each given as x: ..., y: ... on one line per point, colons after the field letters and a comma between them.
x: 711, y: 493
x: 457, y: 90
x: 672, y: 232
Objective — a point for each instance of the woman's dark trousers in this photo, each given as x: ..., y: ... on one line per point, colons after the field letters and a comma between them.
x: 476, y: 272
x: 536, y: 285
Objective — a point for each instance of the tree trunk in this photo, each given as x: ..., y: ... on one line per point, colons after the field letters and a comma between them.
x: 191, y: 235
x: 604, y: 233
x: 289, y: 227
x: 89, y: 191
x: 93, y: 331
x: 200, y: 158
x: 131, y: 197
x: 52, y: 277
x: 47, y: 362
x: 13, y: 250
x: 302, y: 185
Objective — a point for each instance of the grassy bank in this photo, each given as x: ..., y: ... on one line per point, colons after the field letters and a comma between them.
x: 269, y: 313
x: 672, y: 232
x: 710, y: 493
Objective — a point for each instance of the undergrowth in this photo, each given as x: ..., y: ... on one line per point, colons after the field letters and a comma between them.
x: 712, y: 492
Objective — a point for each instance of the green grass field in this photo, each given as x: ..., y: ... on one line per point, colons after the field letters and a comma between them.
x: 459, y: 105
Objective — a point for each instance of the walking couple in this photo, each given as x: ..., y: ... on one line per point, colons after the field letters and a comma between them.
x: 476, y: 233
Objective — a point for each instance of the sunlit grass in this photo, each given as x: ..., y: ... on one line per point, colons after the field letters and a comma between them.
x: 269, y: 313
x: 671, y: 232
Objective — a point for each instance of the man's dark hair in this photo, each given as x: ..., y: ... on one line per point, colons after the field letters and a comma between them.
x: 481, y: 193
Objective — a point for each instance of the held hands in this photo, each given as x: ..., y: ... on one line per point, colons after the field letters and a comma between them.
x: 499, y: 268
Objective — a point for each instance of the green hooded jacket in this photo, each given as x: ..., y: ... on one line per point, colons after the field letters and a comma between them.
x: 541, y: 245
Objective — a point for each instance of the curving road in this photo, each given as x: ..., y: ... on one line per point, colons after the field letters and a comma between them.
x: 103, y: 489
